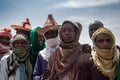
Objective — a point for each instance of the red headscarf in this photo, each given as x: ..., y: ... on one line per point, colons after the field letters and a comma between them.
x: 5, y: 32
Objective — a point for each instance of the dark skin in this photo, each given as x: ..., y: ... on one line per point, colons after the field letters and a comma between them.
x: 4, y: 40
x: 94, y: 26
x: 68, y: 34
x: 51, y: 34
x: 104, y: 41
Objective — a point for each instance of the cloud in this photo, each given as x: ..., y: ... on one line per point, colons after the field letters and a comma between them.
x: 83, y: 3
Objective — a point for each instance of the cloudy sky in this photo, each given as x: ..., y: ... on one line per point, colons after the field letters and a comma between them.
x: 83, y: 11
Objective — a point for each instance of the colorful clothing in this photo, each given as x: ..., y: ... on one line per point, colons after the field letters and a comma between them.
x: 35, y: 48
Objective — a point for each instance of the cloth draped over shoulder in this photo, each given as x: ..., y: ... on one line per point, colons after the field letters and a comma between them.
x: 105, y: 60
x: 64, y: 63
x: 16, y: 58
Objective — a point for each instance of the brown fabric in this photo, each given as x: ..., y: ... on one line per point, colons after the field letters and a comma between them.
x: 89, y: 71
x: 68, y: 66
x: 104, y: 59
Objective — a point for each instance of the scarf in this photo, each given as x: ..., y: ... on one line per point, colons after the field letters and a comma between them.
x: 20, y: 55
x: 51, y: 46
x: 4, y: 48
x: 62, y: 62
x: 35, y: 48
x: 105, y: 60
x: 14, y: 62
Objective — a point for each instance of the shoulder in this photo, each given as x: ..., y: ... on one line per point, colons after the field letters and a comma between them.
x: 3, y: 63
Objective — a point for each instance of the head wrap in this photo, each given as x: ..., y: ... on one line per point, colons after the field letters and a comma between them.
x: 35, y: 48
x: 105, y: 60
x: 77, y: 34
x: 6, y: 32
x: 16, y: 58
x: 66, y: 56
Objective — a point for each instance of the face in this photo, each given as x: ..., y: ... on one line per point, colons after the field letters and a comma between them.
x: 4, y: 40
x: 20, y: 43
x: 68, y: 33
x: 104, y: 41
x: 40, y: 39
x: 51, y: 34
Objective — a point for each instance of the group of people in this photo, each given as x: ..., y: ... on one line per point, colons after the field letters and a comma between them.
x: 54, y: 52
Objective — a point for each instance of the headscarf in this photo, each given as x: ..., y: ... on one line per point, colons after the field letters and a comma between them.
x: 15, y: 58
x: 77, y: 34
x: 105, y: 60
x: 35, y: 48
x: 5, y: 32
x: 66, y: 56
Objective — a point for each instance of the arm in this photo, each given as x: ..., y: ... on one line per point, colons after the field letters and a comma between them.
x: 37, y: 69
x: 3, y: 69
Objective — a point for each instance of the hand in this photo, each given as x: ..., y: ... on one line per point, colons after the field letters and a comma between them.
x: 46, y: 75
x: 86, y: 48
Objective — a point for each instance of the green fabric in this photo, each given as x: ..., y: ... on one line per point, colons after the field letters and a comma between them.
x: 118, y: 73
x: 35, y: 48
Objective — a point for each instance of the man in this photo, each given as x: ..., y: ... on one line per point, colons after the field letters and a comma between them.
x: 23, y: 28
x: 17, y: 65
x: 93, y: 26
x: 5, y: 36
x: 50, y: 33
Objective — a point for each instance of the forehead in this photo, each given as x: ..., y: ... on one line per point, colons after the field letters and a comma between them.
x: 103, y: 36
x: 68, y: 25
x: 20, y: 40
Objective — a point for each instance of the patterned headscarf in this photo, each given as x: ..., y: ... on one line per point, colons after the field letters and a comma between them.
x: 61, y: 62
x: 78, y: 28
x: 105, y: 60
x: 15, y: 59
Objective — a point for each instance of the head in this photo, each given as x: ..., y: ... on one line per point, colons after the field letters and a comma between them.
x: 70, y: 32
x: 103, y: 39
x: 37, y: 40
x: 20, y: 44
x: 5, y: 36
x: 24, y: 32
x: 93, y: 26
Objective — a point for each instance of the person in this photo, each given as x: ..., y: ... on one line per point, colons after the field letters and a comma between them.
x: 37, y: 44
x: 5, y: 36
x: 17, y: 65
x: 103, y: 64
x: 93, y: 26
x: 50, y: 33
x: 65, y: 62
x: 23, y: 28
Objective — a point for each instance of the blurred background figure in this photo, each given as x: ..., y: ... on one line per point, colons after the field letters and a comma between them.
x: 93, y: 26
x: 5, y: 36
x: 23, y: 28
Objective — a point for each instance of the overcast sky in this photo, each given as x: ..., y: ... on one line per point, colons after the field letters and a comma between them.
x: 83, y: 11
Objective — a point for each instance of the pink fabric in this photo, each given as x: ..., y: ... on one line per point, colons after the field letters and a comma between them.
x: 66, y: 69
x: 6, y: 32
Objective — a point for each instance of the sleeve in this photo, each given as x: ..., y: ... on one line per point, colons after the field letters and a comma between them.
x: 38, y: 68
x: 85, y: 70
x: 3, y: 69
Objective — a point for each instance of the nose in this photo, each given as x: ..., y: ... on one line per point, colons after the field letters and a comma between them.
x: 106, y: 45
x: 19, y: 44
